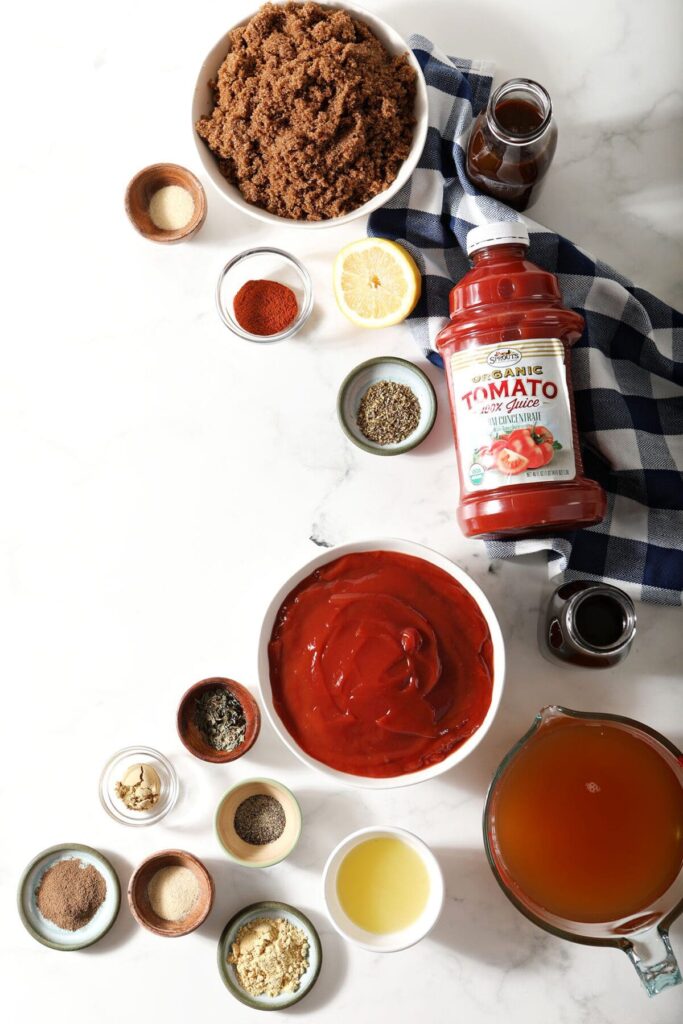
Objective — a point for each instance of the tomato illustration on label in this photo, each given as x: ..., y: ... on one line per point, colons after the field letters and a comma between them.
x: 510, y: 462
x: 511, y: 403
x: 524, y: 448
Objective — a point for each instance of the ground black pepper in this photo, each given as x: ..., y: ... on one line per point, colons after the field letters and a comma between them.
x: 260, y: 819
x: 388, y: 413
x: 220, y: 718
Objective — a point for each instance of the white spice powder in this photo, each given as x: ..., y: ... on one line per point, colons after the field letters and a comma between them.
x: 171, y: 208
x: 173, y: 892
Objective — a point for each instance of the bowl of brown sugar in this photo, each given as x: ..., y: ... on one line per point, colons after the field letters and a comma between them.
x: 309, y: 114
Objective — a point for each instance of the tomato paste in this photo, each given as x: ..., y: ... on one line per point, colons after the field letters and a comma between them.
x: 380, y: 664
x: 507, y: 357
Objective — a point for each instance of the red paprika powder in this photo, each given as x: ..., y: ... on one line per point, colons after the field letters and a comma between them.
x: 265, y: 307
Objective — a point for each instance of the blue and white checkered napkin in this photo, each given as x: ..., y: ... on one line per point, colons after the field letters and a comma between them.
x: 627, y: 369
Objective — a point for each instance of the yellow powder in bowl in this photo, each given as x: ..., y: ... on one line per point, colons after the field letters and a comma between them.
x: 171, y: 208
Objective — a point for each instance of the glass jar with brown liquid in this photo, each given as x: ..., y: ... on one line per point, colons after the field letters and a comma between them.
x: 512, y: 143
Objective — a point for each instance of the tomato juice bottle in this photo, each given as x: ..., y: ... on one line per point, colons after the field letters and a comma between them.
x: 506, y: 352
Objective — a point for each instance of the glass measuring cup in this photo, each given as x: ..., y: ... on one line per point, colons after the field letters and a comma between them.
x: 639, y: 931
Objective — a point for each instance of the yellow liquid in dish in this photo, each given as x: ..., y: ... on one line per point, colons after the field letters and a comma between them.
x: 383, y: 885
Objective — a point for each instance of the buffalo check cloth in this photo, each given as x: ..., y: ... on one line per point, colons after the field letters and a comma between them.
x: 627, y: 369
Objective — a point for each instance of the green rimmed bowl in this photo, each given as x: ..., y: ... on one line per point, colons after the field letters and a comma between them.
x: 246, y: 854
x: 401, y: 371
x: 269, y: 908
x: 48, y: 933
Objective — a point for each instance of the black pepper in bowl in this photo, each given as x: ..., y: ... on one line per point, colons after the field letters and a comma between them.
x: 260, y: 819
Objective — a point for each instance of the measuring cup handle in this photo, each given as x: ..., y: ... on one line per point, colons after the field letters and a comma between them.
x: 660, y: 975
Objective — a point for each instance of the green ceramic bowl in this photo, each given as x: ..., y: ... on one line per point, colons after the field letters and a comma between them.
x: 45, y: 931
x: 269, y: 908
x: 390, y: 368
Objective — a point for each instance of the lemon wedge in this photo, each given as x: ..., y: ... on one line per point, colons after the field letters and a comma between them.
x: 376, y: 282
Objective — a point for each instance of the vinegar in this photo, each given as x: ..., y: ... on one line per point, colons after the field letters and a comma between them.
x: 588, y: 821
x: 383, y: 885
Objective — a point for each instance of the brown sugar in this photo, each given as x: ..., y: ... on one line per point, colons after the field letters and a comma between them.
x: 313, y: 117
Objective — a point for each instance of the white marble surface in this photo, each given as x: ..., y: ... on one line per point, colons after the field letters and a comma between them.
x: 160, y: 477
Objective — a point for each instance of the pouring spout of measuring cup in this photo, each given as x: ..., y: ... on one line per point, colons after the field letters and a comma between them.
x: 659, y: 975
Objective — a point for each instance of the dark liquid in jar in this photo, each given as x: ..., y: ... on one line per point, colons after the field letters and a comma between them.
x: 599, y: 621
x: 518, y: 117
x: 511, y: 170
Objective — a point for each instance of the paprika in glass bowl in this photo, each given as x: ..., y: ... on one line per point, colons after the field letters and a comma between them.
x: 264, y: 295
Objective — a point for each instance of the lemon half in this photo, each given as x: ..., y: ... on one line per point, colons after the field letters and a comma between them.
x: 376, y: 282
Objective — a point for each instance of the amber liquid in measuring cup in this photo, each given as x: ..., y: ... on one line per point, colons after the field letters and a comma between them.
x: 589, y: 822
x: 583, y: 829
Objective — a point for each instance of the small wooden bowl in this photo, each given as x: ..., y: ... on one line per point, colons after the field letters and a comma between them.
x: 192, y: 738
x: 139, y: 194
x: 138, y: 898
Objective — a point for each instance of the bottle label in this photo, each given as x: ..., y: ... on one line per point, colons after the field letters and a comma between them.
x: 512, y: 412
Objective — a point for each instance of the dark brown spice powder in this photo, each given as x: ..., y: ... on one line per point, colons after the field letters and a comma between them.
x: 70, y: 893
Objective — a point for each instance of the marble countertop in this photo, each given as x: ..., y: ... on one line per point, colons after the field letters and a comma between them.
x: 161, y: 478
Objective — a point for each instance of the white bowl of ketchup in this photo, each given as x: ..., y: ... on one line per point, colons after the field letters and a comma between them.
x: 385, y: 687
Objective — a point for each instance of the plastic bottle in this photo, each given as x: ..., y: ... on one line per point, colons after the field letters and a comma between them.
x: 507, y: 356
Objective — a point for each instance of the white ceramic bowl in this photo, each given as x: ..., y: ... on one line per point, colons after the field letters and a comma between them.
x: 405, y: 547
x: 202, y: 104
x: 392, y: 941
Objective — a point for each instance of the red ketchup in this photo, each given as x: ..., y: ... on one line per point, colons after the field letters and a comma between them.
x: 380, y: 664
x: 507, y: 356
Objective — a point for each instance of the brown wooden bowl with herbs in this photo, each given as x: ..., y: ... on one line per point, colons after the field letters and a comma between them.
x: 218, y: 720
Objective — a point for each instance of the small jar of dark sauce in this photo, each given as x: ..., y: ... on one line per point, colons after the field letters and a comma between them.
x: 589, y: 624
x: 512, y: 143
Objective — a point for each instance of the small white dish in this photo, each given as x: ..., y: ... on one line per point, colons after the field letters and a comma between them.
x: 406, y: 547
x: 390, y: 942
x: 203, y: 101
x: 47, y: 932
x: 363, y: 376
x: 115, y: 769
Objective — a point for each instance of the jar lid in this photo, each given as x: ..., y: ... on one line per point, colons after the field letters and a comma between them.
x: 502, y: 232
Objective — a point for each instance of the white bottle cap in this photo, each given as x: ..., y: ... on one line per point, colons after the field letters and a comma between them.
x: 502, y: 232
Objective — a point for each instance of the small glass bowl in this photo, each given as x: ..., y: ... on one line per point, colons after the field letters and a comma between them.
x: 261, y: 264
x: 115, y: 769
